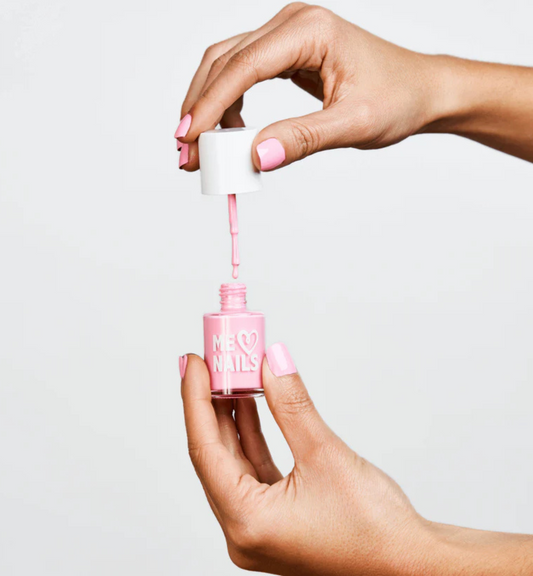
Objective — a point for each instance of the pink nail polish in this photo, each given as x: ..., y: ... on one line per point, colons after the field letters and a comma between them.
x: 271, y: 153
x: 234, y: 346
x: 234, y: 232
x: 183, y: 127
x: 184, y: 155
x: 183, y: 365
x: 279, y: 360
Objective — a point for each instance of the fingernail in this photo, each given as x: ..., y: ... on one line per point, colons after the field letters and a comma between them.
x: 183, y: 365
x: 184, y: 126
x: 271, y: 153
x: 184, y: 155
x: 178, y: 145
x: 280, y: 360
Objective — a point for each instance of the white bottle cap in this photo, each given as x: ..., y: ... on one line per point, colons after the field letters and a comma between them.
x: 226, y: 165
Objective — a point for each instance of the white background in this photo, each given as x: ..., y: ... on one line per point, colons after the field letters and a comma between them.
x: 401, y: 281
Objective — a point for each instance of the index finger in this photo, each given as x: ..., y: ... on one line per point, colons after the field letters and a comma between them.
x: 217, y: 468
x: 200, y: 76
x: 279, y: 50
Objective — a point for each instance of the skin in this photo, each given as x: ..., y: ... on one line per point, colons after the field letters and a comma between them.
x: 374, y: 93
x: 334, y: 513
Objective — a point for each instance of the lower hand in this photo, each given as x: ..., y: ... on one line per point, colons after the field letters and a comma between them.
x: 334, y: 513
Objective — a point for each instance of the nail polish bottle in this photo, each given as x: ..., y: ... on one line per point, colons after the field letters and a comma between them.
x: 234, y: 346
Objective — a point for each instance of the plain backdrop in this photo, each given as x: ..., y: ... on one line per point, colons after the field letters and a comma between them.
x: 401, y: 281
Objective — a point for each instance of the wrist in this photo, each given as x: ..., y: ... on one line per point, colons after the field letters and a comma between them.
x: 453, y: 549
x: 450, y: 98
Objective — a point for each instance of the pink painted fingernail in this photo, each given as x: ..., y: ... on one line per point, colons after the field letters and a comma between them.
x: 183, y: 365
x: 280, y: 360
x: 178, y: 145
x: 184, y: 126
x: 184, y: 155
x: 271, y: 153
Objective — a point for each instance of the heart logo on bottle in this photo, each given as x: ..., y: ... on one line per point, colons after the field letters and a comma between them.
x: 243, y: 336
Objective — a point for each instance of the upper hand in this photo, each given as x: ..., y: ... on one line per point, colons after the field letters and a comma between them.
x: 374, y: 93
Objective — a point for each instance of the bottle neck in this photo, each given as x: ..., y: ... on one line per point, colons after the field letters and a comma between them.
x: 233, y: 297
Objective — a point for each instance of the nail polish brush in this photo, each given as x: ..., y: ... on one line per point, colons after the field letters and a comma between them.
x: 226, y: 169
x: 234, y: 231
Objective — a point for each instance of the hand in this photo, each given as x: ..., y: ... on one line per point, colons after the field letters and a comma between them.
x: 374, y: 93
x: 334, y: 513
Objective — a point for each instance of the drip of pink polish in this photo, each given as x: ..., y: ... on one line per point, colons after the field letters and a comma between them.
x: 234, y: 231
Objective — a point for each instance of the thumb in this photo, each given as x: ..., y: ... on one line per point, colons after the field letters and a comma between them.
x: 291, y: 405
x: 289, y: 140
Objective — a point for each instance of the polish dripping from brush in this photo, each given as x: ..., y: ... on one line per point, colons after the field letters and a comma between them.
x: 227, y: 169
x: 234, y: 231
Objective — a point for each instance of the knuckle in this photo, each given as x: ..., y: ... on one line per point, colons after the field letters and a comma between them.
x: 246, y: 537
x: 218, y: 64
x: 196, y: 454
x: 365, y: 115
x: 322, y: 19
x: 365, y: 120
x: 293, y: 7
x: 314, y: 10
x: 238, y: 558
x: 214, y: 51
x: 307, y: 138
x: 209, y: 54
x: 244, y: 61
x: 243, y: 560
x: 315, y: 13
x: 247, y: 531
x: 264, y: 461
x: 201, y: 455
